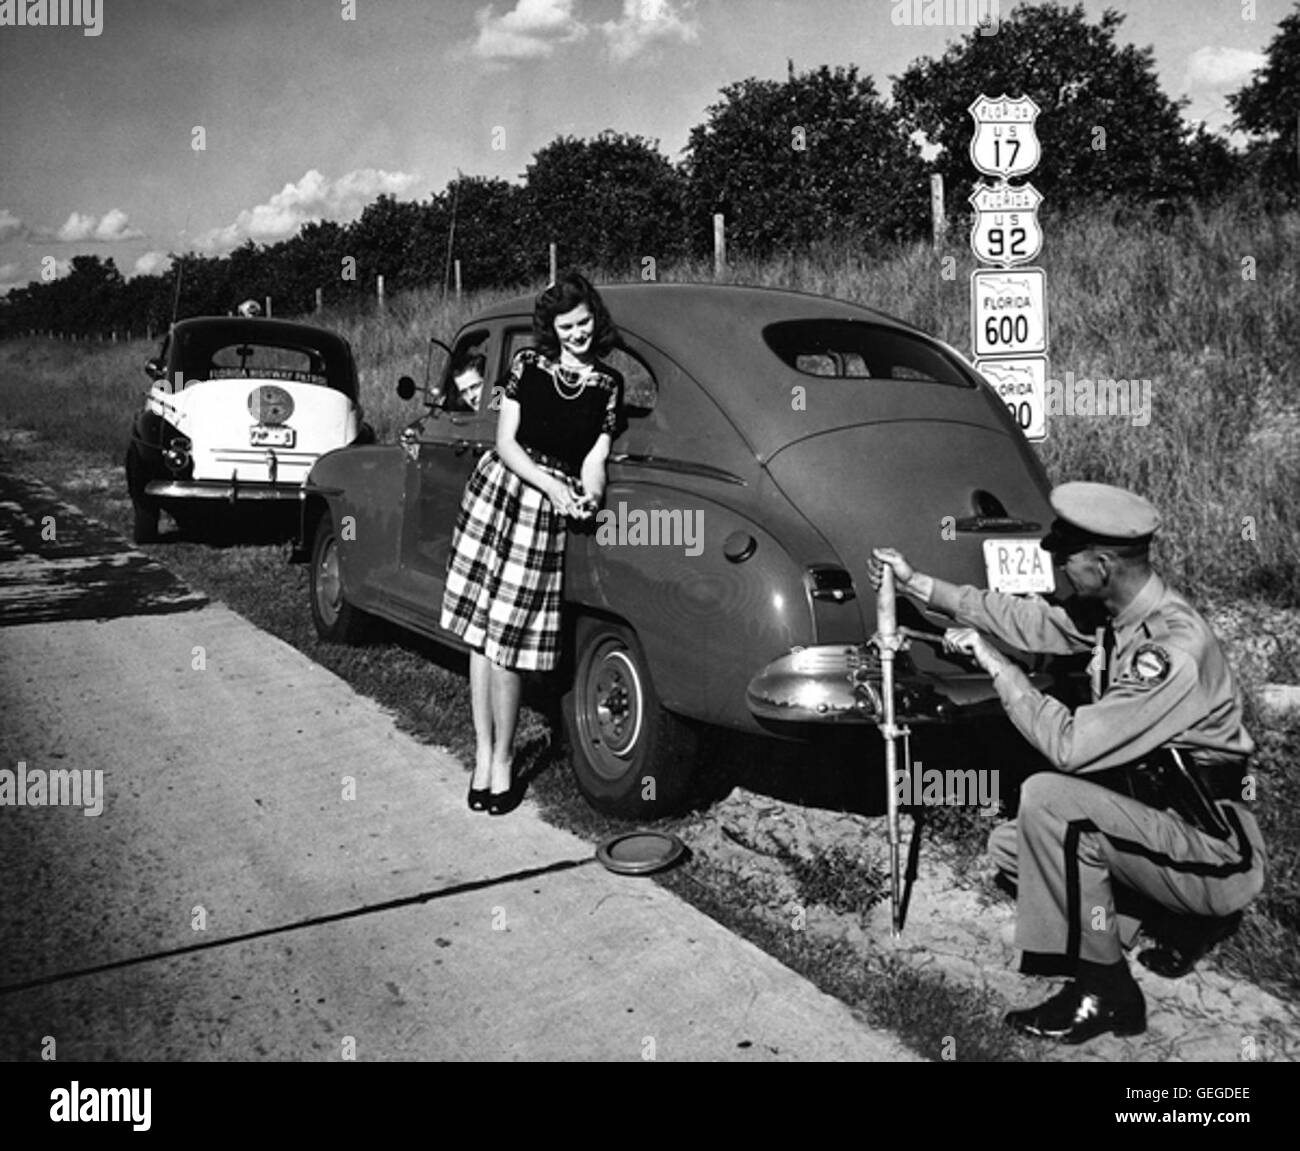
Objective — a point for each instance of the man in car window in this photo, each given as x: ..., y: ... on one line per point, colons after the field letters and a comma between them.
x: 1149, y: 779
x: 467, y: 384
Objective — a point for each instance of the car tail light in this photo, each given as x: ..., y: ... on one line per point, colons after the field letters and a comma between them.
x: 826, y: 582
x: 177, y: 453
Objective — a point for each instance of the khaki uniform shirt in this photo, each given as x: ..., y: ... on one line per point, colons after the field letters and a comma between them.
x: 1168, y: 681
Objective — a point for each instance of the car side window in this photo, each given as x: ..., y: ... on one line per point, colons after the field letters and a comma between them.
x: 640, y: 388
x: 465, y: 381
x: 517, y: 339
x: 853, y: 350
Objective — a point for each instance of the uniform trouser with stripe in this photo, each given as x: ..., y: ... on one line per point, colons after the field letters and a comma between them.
x: 1074, y: 840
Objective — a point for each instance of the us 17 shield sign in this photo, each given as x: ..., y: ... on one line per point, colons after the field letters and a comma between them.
x: 1005, y: 143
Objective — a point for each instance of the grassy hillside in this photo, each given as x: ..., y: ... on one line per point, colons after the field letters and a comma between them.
x: 1205, y: 308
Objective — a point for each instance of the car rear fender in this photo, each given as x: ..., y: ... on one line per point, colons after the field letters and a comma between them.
x: 363, y: 489
x: 711, y: 594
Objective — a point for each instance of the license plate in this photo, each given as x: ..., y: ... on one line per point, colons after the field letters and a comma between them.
x: 1018, y: 566
x: 261, y: 436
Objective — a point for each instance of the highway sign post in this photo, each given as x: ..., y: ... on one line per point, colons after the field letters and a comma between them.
x: 1009, y: 333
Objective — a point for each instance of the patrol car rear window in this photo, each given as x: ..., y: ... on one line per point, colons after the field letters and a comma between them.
x: 245, y: 360
x: 853, y: 350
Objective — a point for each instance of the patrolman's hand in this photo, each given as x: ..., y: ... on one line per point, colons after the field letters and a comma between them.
x: 971, y: 643
x: 903, y: 571
x: 906, y: 577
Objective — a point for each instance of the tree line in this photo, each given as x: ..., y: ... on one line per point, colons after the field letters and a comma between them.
x: 819, y: 159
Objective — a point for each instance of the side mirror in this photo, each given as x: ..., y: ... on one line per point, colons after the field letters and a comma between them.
x: 154, y: 369
x: 405, y: 387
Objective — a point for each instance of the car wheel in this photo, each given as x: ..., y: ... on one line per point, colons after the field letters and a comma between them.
x: 194, y: 521
x: 144, y: 511
x: 336, y: 620
x: 630, y: 756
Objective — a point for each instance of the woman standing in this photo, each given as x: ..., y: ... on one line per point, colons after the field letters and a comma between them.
x: 561, y: 410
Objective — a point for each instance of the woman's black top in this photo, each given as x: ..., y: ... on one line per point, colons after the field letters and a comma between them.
x: 561, y: 411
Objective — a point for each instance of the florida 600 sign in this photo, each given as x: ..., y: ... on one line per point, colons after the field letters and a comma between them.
x: 1008, y: 311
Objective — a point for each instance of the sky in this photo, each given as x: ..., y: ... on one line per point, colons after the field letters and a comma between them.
x: 309, y: 109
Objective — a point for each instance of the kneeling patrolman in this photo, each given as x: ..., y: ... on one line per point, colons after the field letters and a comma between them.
x: 1150, y: 778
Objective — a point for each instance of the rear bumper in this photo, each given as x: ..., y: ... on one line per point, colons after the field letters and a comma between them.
x: 841, y: 683
x: 229, y: 490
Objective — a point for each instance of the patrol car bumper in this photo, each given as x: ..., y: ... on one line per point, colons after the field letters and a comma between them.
x: 841, y: 683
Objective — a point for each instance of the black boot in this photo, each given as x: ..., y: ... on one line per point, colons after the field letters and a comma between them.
x: 1181, y: 941
x: 1103, y: 998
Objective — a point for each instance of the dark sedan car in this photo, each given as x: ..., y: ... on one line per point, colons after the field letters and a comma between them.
x: 238, y: 412
x: 772, y: 439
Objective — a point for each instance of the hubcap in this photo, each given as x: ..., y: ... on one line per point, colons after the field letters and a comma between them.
x: 616, y: 703
x: 328, y: 583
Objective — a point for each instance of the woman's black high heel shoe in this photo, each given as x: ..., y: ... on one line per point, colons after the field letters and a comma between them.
x: 478, y: 798
x: 500, y: 803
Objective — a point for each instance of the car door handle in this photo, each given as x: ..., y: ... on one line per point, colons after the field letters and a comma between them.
x: 461, y: 447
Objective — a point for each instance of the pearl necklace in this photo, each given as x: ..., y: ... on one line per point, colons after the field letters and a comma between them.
x: 580, y: 380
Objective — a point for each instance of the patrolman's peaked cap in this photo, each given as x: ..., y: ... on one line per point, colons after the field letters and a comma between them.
x: 1097, y: 515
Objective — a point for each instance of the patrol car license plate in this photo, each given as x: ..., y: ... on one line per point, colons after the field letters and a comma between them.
x: 1017, y: 566
x: 261, y: 436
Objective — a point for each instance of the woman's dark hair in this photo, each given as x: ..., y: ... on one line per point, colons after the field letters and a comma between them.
x: 570, y: 290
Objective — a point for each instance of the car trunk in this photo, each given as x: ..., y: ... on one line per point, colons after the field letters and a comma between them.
x: 221, y: 419
x: 912, y: 485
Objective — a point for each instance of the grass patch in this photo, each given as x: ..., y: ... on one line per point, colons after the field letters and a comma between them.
x: 839, y: 880
x: 936, y: 1017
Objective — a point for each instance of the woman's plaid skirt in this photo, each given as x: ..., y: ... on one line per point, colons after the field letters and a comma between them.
x: 506, y: 570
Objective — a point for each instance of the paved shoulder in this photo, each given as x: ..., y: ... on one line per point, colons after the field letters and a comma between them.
x: 56, y: 563
x: 231, y: 854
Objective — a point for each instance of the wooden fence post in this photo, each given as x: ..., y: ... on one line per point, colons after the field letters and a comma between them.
x: 719, y: 245
x: 458, y: 281
x: 379, y: 291
x: 553, y: 266
x: 938, y: 218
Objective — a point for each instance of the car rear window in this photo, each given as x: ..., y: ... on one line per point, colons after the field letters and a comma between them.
x: 854, y: 350
x: 243, y: 360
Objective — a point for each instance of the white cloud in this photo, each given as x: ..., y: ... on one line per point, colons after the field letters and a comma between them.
x: 646, y: 22
x: 529, y: 31
x: 9, y: 224
x: 112, y: 226
x: 7, y: 278
x: 151, y: 263
x: 1221, y: 68
x: 312, y: 198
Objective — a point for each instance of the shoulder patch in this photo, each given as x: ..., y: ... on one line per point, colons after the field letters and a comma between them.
x: 1151, y: 664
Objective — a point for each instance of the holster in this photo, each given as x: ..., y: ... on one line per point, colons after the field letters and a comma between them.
x: 1169, y: 781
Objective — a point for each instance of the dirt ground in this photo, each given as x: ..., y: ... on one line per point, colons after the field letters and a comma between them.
x: 959, y: 924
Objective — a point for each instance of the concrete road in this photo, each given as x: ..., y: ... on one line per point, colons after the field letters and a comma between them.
x: 258, y: 865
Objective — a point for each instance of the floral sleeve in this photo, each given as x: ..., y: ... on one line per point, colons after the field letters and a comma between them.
x: 614, y: 422
x: 523, y: 358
